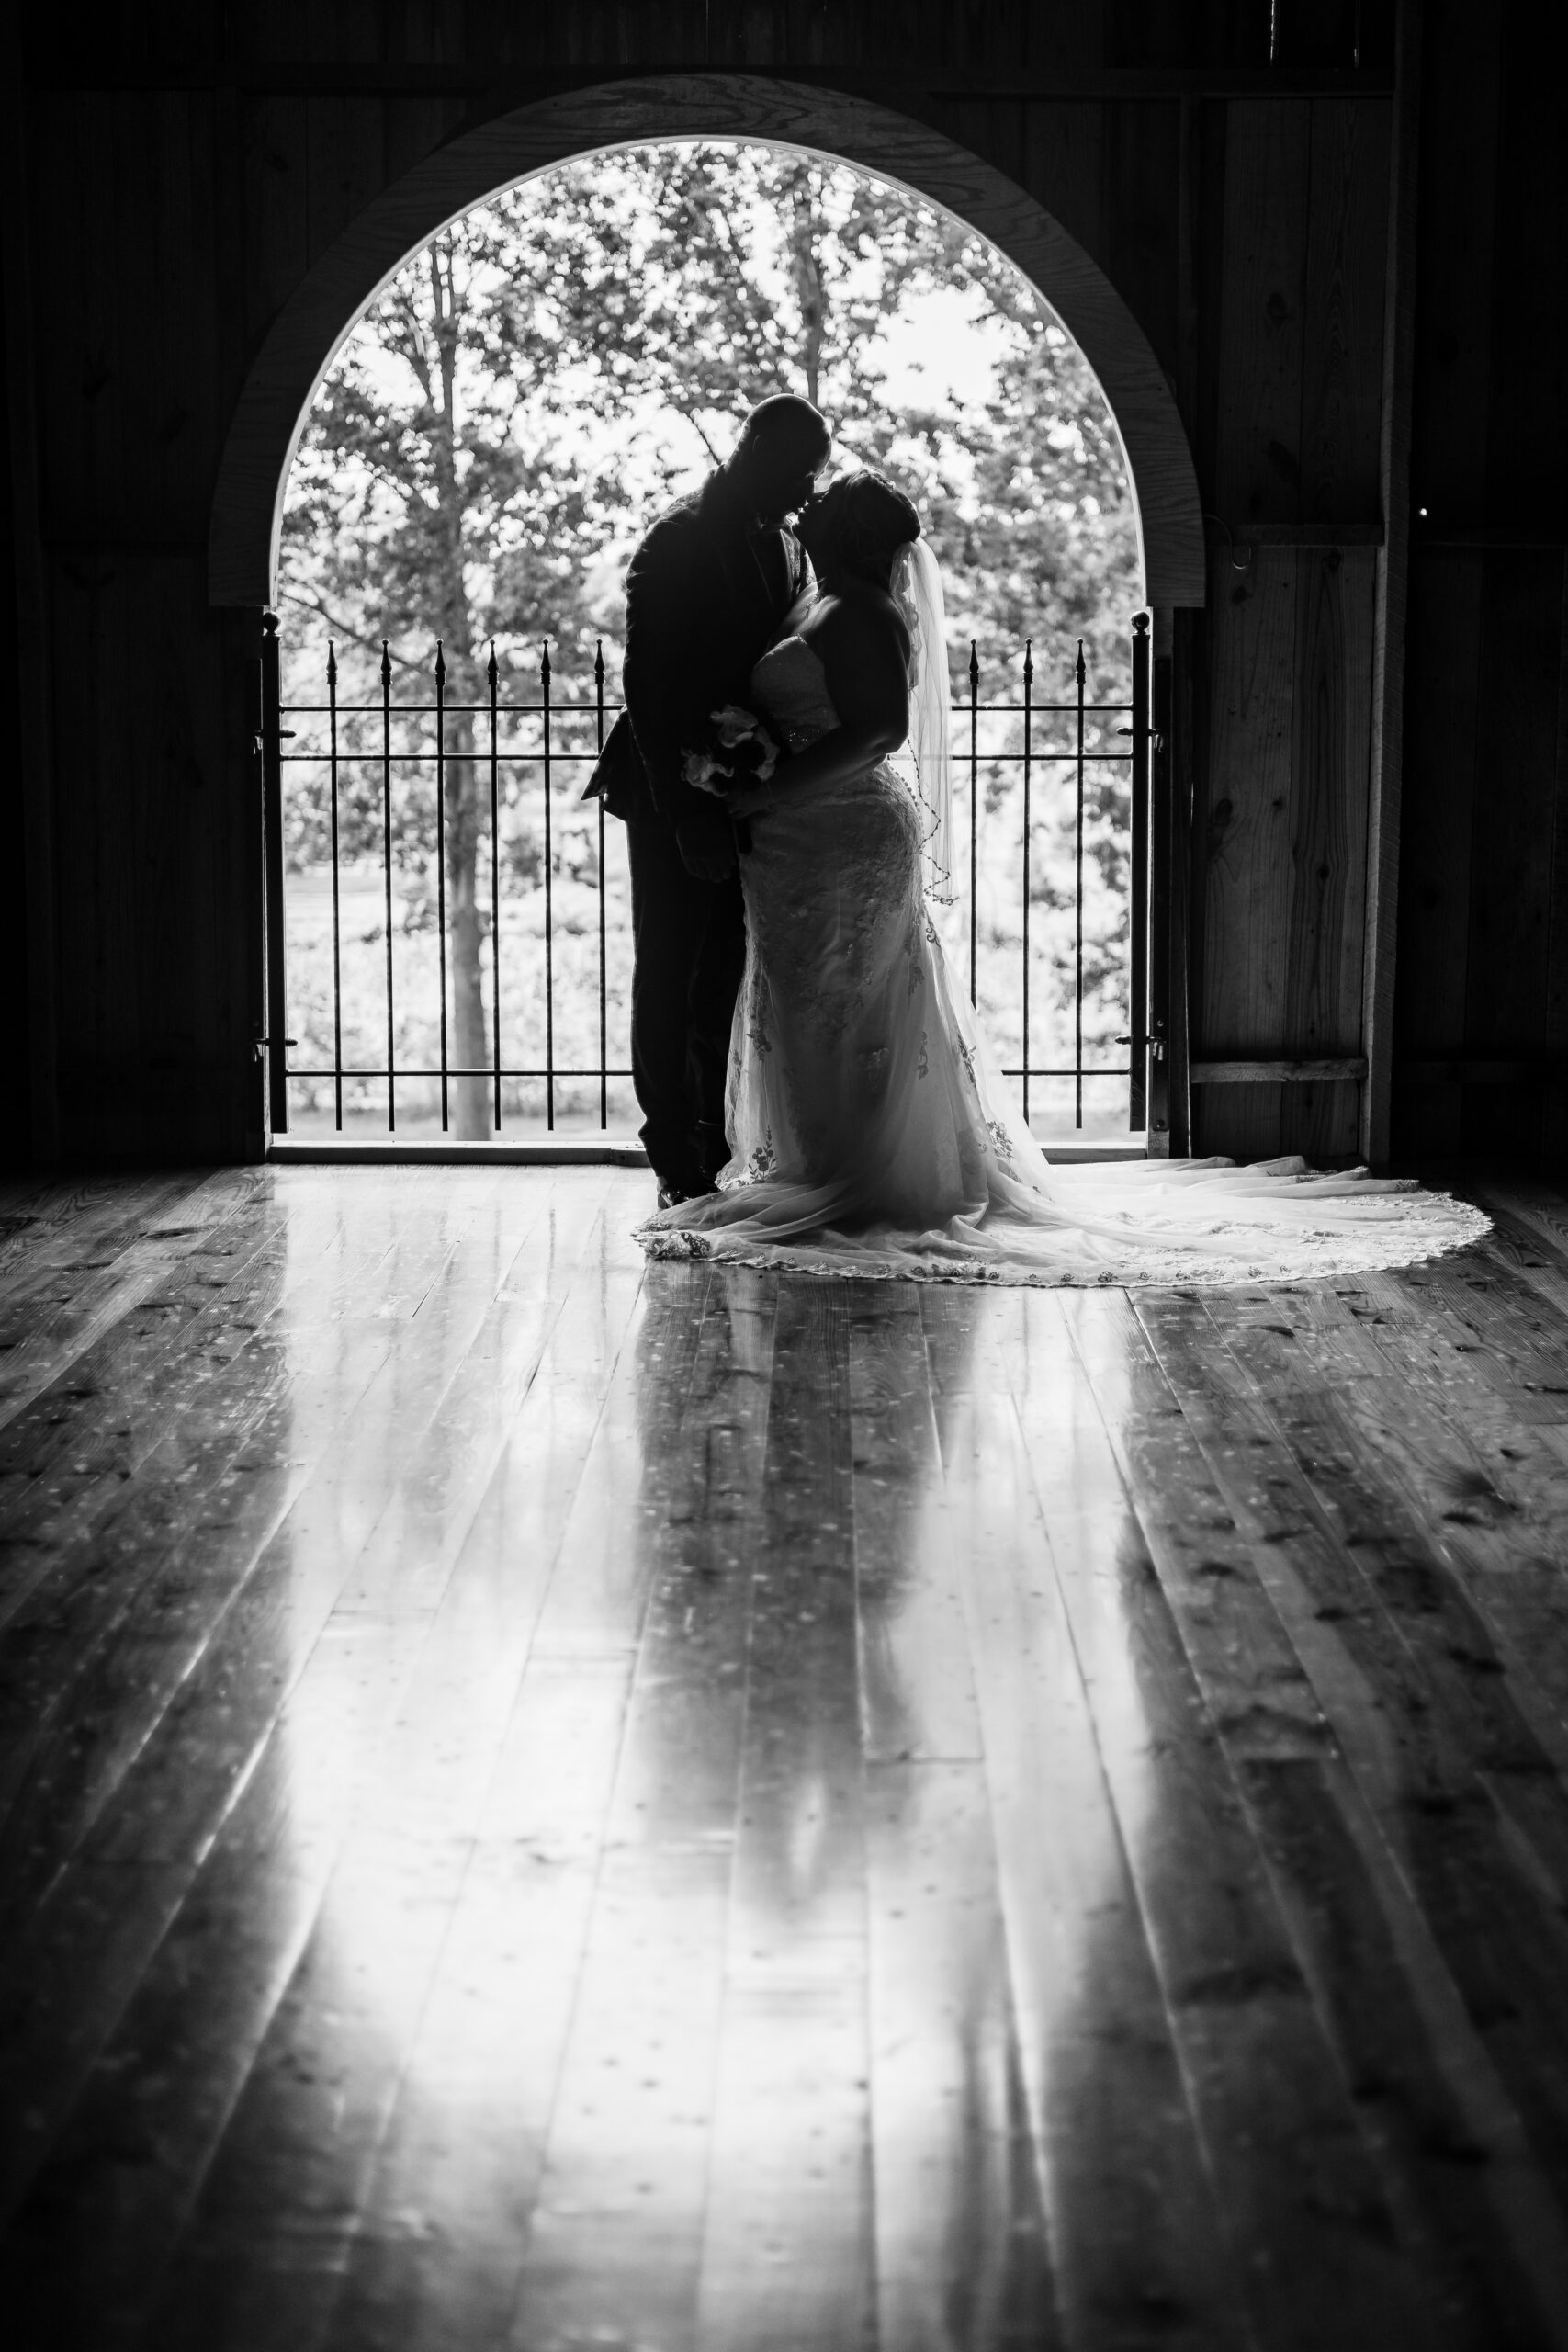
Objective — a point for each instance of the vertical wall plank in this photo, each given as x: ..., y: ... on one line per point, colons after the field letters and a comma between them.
x: 1479, y: 942
x: 1255, y: 282
x: 1343, y: 318
x: 1441, y: 713
x: 1146, y: 153
x: 30, y: 903
x: 1245, y: 824
x: 1392, y: 606
x: 346, y: 165
x: 1242, y: 828
x: 276, y: 184
x: 1296, y: 405
x: 1323, y: 981
x: 1268, y: 178
x: 1461, y: 78
x: 1062, y: 167
x: 1510, y: 871
x: 1328, y: 844
x: 1459, y: 86
x: 1526, y: 454
x: 1554, y: 1137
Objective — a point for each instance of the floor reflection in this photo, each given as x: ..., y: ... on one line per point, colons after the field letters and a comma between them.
x: 698, y: 1991
x: 555, y: 1803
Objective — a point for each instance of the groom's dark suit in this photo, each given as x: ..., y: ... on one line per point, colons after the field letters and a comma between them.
x: 705, y: 593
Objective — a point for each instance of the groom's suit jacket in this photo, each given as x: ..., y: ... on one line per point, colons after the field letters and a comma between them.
x: 706, y: 594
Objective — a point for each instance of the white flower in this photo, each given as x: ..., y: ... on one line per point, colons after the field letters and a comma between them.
x: 732, y: 725
x: 700, y: 769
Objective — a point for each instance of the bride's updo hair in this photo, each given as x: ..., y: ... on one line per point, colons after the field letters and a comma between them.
x: 862, y: 521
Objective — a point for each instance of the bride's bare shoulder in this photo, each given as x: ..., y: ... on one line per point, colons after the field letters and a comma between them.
x: 860, y: 624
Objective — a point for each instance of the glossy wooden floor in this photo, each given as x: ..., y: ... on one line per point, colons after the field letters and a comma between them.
x: 550, y: 1805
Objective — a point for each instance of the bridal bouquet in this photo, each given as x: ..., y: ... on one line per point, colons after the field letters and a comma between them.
x: 738, y: 750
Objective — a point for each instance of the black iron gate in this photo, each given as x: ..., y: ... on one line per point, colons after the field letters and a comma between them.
x: 339, y: 744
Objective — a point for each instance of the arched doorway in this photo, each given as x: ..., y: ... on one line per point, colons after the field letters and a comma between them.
x: 323, y: 310
x: 313, y: 328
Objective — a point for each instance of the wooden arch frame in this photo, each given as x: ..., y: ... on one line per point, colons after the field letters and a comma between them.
x: 329, y: 303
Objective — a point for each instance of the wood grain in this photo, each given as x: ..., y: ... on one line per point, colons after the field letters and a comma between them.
x: 1330, y: 779
x: 551, y: 1798
x: 1216, y: 236
x: 1443, y: 713
x: 1267, y: 186
x: 1242, y: 842
x: 1511, y: 843
x: 1343, y: 311
x: 1386, y: 787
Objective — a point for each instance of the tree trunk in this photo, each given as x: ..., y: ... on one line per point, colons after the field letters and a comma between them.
x: 472, y: 1099
x: 806, y: 270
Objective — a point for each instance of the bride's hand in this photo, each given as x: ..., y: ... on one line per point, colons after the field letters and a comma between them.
x: 749, y: 800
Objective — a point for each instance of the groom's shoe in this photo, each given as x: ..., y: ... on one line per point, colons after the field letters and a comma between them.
x: 710, y: 1148
x: 670, y: 1196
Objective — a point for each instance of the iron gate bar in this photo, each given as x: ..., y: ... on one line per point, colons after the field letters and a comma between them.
x: 1092, y: 756
x: 490, y: 676
x: 974, y: 818
x: 1161, y: 867
x: 387, y: 853
x: 550, y: 912
x: 482, y: 1070
x: 585, y: 710
x: 271, y: 748
x: 599, y: 804
x: 1138, y: 976
x: 1028, y: 853
x: 1079, y: 676
x: 1078, y: 754
x: 337, y: 930
x: 441, y: 856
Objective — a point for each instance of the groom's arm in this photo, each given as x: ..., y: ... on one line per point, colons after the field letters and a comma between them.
x: 664, y: 605
x: 658, y: 588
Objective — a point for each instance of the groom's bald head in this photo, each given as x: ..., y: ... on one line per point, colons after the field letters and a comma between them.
x: 782, y: 447
x: 786, y: 422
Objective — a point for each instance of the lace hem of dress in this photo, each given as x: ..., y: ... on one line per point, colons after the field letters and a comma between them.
x: 1303, y: 1257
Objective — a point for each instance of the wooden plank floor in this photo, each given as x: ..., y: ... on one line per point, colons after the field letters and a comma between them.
x: 545, y: 1803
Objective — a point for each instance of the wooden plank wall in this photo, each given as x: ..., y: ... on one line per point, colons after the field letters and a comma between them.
x: 153, y: 956
x: 216, y: 155
x: 1480, y: 1004
x: 17, y: 1147
x: 1292, y: 263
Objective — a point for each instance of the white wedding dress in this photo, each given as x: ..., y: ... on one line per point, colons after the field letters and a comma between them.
x: 873, y: 1134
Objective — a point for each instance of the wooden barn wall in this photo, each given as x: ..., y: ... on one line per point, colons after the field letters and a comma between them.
x: 16, y: 1120
x: 1481, y: 1002
x: 1291, y: 251
x: 177, y: 200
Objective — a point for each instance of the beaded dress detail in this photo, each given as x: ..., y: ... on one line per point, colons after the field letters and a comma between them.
x: 873, y: 1134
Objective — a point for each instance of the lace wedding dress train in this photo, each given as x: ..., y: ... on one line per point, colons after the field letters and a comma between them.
x: 874, y: 1135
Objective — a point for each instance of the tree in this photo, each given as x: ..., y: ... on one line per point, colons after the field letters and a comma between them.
x: 551, y: 368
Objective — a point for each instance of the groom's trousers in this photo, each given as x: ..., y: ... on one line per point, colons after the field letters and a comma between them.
x: 690, y: 952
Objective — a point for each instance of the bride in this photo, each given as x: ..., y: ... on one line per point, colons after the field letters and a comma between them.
x: 871, y: 1131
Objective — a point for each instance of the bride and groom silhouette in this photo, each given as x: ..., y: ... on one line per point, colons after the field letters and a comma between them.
x: 817, y: 1092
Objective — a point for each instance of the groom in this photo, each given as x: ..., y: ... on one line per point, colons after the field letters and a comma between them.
x: 707, y: 589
